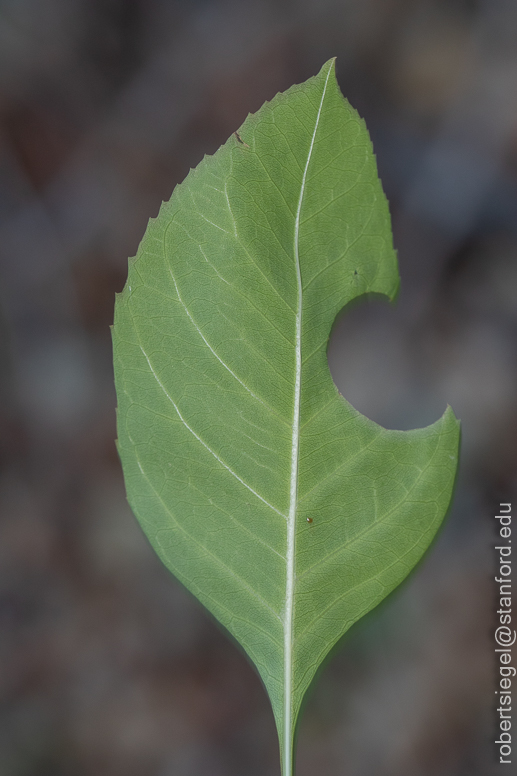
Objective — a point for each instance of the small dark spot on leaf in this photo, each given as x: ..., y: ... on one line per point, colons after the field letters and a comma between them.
x: 239, y: 138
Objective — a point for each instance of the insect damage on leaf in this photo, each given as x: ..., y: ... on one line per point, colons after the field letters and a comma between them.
x: 232, y: 434
x: 239, y: 138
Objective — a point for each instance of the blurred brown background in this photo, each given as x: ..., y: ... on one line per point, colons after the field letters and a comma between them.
x: 107, y: 666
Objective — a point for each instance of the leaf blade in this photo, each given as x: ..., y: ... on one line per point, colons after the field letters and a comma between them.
x: 231, y: 431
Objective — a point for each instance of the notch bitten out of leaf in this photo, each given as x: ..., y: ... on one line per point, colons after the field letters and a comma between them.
x: 284, y: 510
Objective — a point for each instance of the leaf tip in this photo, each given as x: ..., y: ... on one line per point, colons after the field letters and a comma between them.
x: 329, y: 67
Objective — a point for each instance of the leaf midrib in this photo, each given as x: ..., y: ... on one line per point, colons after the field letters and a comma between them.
x: 293, y: 495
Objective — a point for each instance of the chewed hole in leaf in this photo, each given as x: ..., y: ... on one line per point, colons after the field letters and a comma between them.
x: 371, y: 362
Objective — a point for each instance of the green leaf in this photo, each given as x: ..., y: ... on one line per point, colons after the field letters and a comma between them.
x: 286, y: 512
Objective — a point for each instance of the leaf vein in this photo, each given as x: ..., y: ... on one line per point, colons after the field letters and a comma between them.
x: 212, y: 452
x: 206, y: 549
